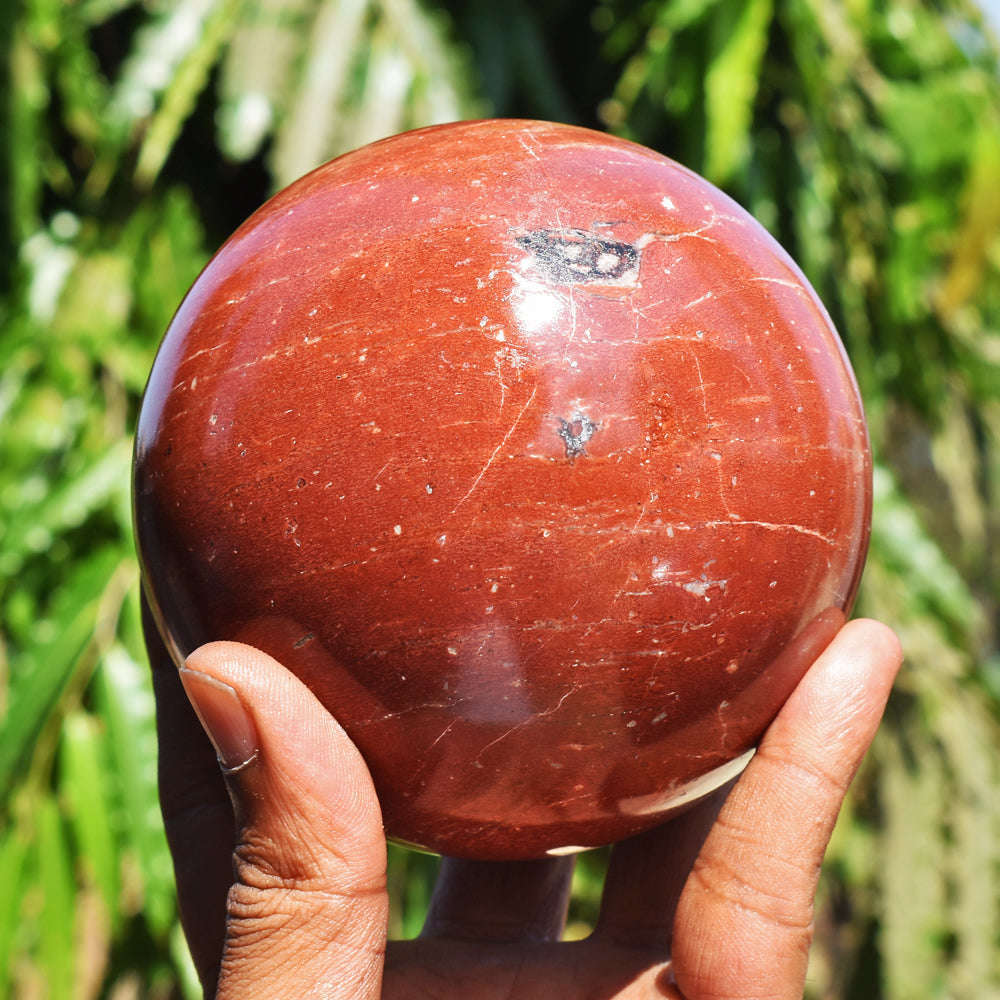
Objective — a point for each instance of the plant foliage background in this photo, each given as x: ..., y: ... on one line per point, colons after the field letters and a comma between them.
x: 136, y: 135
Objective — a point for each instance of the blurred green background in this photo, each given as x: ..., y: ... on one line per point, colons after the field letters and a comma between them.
x: 136, y: 135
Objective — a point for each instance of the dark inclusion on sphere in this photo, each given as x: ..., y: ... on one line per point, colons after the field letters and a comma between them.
x: 572, y: 256
x: 576, y: 433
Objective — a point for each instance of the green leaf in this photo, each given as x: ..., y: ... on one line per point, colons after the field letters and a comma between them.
x: 388, y: 79
x: 83, y: 785
x: 29, y: 99
x: 934, y: 118
x: 125, y: 698
x: 32, y: 528
x: 680, y: 14
x: 306, y: 136
x: 96, y: 11
x: 40, y: 673
x: 172, y: 50
x: 187, y: 974
x: 901, y: 541
x: 441, y: 90
x: 741, y: 32
x: 968, y: 734
x: 186, y: 83
x: 96, y: 300
x: 16, y: 362
x: 976, y: 237
x: 14, y: 848
x: 661, y: 68
x: 410, y: 875
x: 914, y: 798
x: 57, y: 922
x: 254, y: 92
x: 83, y: 90
x: 8, y: 158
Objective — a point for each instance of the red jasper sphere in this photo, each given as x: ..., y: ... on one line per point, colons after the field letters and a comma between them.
x: 532, y: 453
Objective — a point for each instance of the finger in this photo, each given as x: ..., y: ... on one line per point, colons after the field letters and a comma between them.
x: 744, y: 921
x: 646, y: 875
x: 307, y: 912
x: 197, y: 813
x: 500, y: 901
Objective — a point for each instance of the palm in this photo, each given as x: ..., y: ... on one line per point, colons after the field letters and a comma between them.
x: 493, y: 929
x: 569, y: 970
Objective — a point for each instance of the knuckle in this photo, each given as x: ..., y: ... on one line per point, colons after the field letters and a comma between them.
x: 266, y: 864
x: 261, y: 862
x: 258, y: 914
x: 783, y: 903
x: 805, y: 770
x: 268, y: 927
x: 264, y: 906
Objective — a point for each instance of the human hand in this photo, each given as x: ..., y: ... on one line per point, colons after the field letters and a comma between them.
x: 716, y: 903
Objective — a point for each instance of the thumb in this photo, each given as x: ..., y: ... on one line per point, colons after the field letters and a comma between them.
x: 306, y: 914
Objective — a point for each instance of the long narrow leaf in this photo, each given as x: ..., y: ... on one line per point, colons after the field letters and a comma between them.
x: 441, y: 83
x: 40, y: 673
x: 731, y: 85
x: 914, y: 800
x: 257, y: 72
x: 187, y: 974
x: 58, y: 917
x: 84, y: 788
x: 969, y: 735
x: 160, y: 46
x: 188, y: 81
x: 125, y: 699
x: 13, y: 860
x: 388, y: 80
x: 304, y: 140
x: 33, y: 528
x: 899, y: 538
x: 28, y: 101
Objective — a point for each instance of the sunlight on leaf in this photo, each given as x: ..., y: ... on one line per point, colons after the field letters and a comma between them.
x: 186, y: 82
x: 125, y: 694
x: 84, y: 780
x: 57, y: 920
x: 305, y: 138
x: 731, y: 85
x: 40, y: 674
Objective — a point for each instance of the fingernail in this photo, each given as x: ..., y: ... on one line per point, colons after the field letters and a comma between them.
x: 223, y: 717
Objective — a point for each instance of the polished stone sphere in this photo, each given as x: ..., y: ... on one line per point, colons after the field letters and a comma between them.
x: 532, y: 454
